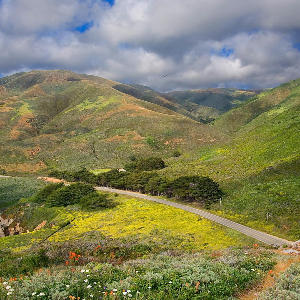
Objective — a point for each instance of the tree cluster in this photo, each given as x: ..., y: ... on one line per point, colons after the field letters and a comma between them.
x: 140, y: 179
x: 83, y: 194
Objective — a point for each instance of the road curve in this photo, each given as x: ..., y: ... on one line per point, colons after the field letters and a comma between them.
x: 258, y: 235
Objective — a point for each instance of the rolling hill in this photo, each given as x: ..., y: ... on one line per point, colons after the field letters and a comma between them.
x: 200, y: 105
x: 61, y: 119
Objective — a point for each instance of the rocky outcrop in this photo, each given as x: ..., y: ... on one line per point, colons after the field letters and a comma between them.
x: 4, y: 226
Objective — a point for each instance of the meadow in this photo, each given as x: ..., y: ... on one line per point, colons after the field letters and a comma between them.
x: 138, y: 249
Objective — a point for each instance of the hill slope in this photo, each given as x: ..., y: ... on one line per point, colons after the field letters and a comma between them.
x: 63, y: 119
x: 201, y: 105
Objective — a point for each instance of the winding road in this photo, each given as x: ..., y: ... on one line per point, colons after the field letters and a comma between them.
x: 258, y: 235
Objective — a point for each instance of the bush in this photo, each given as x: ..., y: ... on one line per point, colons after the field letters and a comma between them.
x: 96, y: 201
x: 69, y: 195
x: 45, y: 192
x: 146, y: 164
x: 196, y: 188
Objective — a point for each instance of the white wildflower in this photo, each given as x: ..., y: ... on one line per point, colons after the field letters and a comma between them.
x: 89, y: 286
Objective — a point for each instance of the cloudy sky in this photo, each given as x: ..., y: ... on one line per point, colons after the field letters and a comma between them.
x: 196, y: 43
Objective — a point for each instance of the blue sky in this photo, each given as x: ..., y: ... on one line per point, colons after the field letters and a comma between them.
x: 199, y: 44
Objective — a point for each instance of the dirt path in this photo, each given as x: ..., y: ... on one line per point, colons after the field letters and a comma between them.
x: 270, y: 279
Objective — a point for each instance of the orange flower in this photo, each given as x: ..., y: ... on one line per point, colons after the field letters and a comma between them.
x: 187, y: 284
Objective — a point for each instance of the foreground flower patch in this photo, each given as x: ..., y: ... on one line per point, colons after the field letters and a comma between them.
x: 169, y: 275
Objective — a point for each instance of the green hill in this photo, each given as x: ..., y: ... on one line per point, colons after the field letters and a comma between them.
x: 258, y: 168
x: 64, y: 120
x: 201, y: 105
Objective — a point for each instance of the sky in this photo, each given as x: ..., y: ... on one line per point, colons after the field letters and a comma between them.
x: 165, y: 44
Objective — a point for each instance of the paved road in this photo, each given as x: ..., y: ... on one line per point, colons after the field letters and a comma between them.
x: 258, y: 235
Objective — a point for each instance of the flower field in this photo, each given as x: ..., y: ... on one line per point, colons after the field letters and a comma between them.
x: 153, y: 222
x: 169, y: 275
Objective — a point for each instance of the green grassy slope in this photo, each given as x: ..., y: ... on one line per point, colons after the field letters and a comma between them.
x: 259, y: 168
x: 200, y: 105
x: 62, y: 119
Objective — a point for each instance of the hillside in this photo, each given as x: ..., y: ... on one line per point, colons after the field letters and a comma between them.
x: 258, y: 168
x: 208, y: 104
x: 62, y: 119
x: 201, y: 105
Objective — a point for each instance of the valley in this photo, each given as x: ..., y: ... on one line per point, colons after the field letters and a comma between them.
x: 105, y: 133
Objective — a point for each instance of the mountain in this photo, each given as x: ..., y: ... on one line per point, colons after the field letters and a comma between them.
x: 201, y: 105
x: 63, y: 119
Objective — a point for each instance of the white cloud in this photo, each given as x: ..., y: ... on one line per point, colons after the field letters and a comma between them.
x: 197, y: 43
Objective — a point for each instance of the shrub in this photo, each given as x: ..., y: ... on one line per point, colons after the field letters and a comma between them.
x: 69, y: 195
x: 196, y: 188
x: 45, y: 192
x: 96, y: 201
x: 146, y: 164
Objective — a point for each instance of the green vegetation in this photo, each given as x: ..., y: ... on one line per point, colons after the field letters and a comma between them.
x: 166, y: 276
x: 69, y: 195
x: 14, y: 188
x: 244, y: 166
x: 287, y: 286
x: 141, y: 179
x: 40, y: 127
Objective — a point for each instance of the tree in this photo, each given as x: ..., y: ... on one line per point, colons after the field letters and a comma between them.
x: 96, y: 201
x: 69, y: 195
x: 46, y: 191
x: 196, y: 188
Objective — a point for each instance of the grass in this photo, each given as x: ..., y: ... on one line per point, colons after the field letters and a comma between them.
x: 14, y: 188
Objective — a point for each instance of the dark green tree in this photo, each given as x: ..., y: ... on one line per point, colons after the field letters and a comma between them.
x: 69, y: 195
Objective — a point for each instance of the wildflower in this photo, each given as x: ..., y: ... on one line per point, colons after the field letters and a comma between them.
x: 67, y: 286
x: 41, y: 294
x: 5, y: 283
x: 149, y: 287
x: 95, y: 282
x: 128, y: 291
x: 170, y: 281
x: 89, y: 286
x: 91, y: 296
x: 115, y: 290
x: 187, y: 284
x: 124, y: 293
x: 8, y: 287
x: 34, y: 293
x: 86, y: 280
x: 82, y: 271
x: 270, y: 272
x: 129, y: 295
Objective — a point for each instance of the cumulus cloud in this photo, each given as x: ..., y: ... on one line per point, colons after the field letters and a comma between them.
x: 197, y: 44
